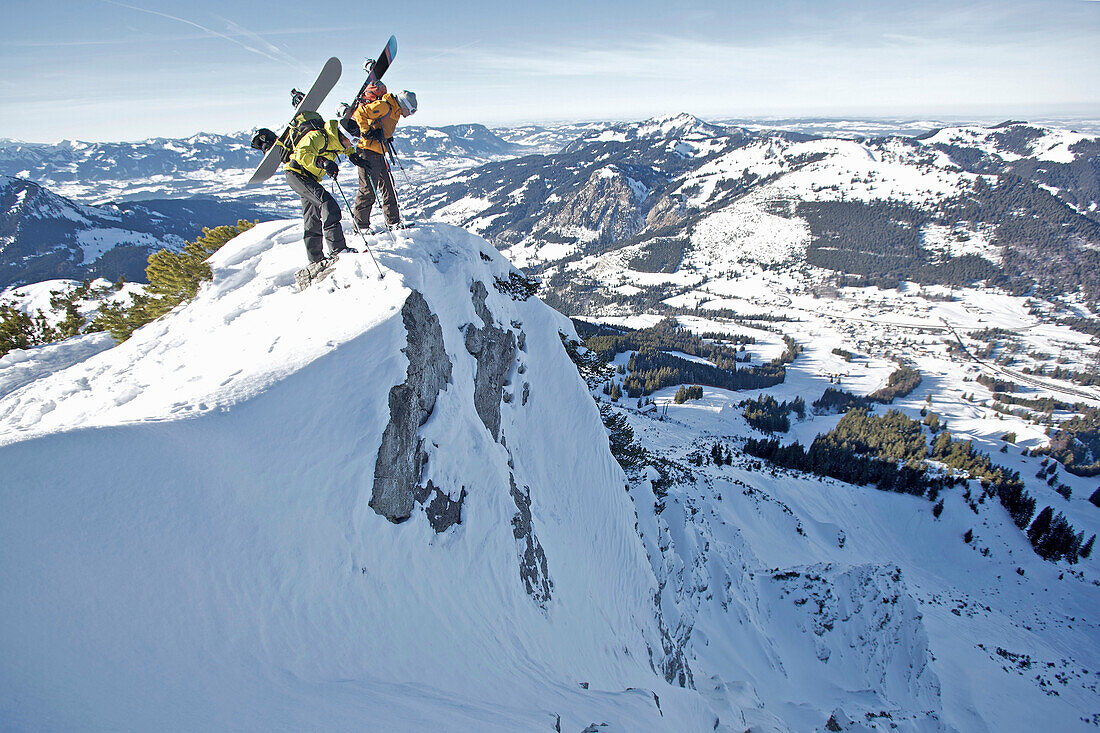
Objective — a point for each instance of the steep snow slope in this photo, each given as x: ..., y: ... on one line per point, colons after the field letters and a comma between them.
x: 795, y: 597
x: 195, y: 529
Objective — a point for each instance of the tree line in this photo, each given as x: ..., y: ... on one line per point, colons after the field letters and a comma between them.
x: 890, y: 452
x: 650, y: 368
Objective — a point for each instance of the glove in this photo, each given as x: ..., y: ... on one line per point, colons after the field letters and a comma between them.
x: 358, y: 160
x: 329, y: 166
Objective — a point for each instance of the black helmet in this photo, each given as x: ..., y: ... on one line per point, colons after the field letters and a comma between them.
x: 264, y: 139
x: 351, y: 127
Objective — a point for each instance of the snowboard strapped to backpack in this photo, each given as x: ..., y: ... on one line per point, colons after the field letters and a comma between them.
x: 303, y: 123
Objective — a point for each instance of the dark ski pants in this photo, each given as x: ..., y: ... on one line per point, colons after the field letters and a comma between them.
x: 378, y: 174
x: 320, y: 214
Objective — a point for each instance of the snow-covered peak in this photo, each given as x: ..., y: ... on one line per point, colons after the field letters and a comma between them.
x: 252, y: 298
x: 678, y: 126
x: 251, y: 457
x: 20, y: 199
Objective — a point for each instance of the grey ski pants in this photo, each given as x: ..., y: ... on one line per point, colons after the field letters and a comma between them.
x: 320, y: 215
x: 377, y: 173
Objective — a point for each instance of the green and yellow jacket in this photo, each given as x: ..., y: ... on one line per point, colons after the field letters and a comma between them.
x: 317, y: 144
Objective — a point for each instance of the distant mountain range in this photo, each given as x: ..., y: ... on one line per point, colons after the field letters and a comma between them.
x: 1014, y: 205
x: 210, y: 164
x: 77, y: 209
x: 45, y: 236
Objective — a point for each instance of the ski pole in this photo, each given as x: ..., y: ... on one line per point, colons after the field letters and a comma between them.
x: 355, y: 223
x: 389, y: 173
x: 393, y: 154
x: 378, y: 199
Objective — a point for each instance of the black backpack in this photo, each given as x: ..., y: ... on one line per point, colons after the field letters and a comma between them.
x: 302, y: 124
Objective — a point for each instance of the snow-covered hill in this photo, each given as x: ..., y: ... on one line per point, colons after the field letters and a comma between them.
x: 247, y: 457
x: 798, y: 598
x: 941, y: 208
x: 207, y: 523
x: 390, y: 503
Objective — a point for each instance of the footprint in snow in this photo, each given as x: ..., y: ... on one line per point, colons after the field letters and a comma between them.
x: 36, y: 411
x: 127, y: 396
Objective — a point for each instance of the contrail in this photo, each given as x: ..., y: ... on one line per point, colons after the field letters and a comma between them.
x: 203, y: 28
x: 450, y: 51
x: 263, y: 42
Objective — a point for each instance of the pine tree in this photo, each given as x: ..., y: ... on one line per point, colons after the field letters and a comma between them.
x: 173, y: 278
x: 1040, y: 526
x: 621, y: 438
x: 19, y: 330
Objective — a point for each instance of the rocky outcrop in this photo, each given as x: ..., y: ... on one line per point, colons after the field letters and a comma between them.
x: 610, y: 203
x: 442, y: 511
x: 666, y: 213
x: 401, y: 455
x: 532, y: 559
x: 494, y: 348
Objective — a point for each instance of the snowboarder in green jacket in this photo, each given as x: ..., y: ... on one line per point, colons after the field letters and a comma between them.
x: 314, y: 157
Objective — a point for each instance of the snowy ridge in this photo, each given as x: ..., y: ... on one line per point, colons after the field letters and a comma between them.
x: 232, y: 537
x: 706, y: 184
x: 1013, y: 142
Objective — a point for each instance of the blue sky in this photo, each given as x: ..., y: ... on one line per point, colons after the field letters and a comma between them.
x: 129, y: 69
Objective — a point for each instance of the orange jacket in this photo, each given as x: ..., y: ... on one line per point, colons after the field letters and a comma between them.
x: 381, y: 114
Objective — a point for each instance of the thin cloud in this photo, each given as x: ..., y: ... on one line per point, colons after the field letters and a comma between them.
x: 210, y: 31
x: 146, y: 38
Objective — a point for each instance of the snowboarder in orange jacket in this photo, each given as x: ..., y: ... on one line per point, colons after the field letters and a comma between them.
x: 377, y: 116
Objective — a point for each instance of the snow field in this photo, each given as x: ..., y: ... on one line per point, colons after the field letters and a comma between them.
x: 200, y: 553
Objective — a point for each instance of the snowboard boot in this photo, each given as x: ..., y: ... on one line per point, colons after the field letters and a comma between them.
x: 314, y: 272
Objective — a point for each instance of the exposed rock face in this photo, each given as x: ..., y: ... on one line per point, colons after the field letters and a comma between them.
x: 609, y: 203
x: 401, y: 455
x: 495, y: 350
x: 532, y: 559
x: 442, y: 511
x: 666, y: 212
